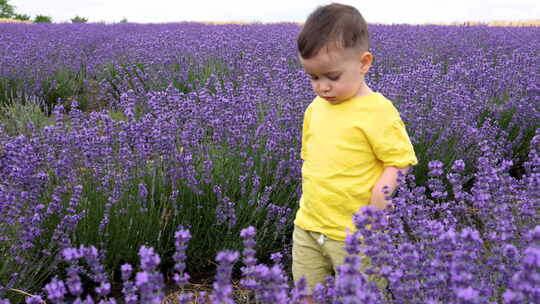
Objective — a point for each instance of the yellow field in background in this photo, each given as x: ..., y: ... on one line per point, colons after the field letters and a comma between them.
x: 502, y: 23
x: 493, y: 23
x: 5, y: 20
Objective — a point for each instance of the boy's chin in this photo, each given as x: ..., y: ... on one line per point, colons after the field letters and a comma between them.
x: 336, y: 101
x: 332, y: 100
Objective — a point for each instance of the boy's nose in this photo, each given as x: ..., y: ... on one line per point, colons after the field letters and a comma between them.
x: 323, y: 87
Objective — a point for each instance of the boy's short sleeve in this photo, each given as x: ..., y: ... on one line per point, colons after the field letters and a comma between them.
x: 392, y: 145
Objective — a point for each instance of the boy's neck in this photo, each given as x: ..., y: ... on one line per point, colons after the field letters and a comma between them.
x: 364, y: 90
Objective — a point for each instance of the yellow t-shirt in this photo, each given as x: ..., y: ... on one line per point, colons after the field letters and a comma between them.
x: 345, y: 148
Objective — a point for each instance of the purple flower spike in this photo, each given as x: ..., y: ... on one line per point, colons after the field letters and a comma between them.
x: 143, y: 191
x: 182, y: 236
x: 149, y: 281
x: 248, y: 234
x: 468, y: 295
x: 71, y: 254
x: 75, y: 285
x: 149, y: 259
x: 129, y: 289
x: 435, y: 168
x: 222, y: 286
x: 126, y: 271
x: 56, y: 290
x: 276, y: 257
x: 458, y: 166
x: 299, y: 292
x: 34, y: 300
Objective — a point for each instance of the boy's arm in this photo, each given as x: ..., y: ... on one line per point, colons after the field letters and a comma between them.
x: 305, y: 129
x: 388, y: 178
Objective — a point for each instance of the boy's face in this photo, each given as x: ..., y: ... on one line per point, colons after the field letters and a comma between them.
x: 337, y: 74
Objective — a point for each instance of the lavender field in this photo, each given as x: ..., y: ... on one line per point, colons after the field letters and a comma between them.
x: 132, y: 155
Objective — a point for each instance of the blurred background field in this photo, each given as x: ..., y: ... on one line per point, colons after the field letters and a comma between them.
x: 535, y: 22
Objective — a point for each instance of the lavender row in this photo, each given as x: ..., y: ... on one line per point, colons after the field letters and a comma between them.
x: 436, y: 262
x: 453, y: 85
x: 472, y: 245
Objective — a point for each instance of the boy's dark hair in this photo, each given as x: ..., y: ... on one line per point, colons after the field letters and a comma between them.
x: 334, y: 23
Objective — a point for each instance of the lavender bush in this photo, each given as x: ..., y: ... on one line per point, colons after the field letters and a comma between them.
x: 149, y: 127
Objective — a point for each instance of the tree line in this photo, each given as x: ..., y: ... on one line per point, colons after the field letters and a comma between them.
x: 8, y: 11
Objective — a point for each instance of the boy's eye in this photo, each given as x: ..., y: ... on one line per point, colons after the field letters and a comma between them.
x: 331, y: 77
x: 334, y: 78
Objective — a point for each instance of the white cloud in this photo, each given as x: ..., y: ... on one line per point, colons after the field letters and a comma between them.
x: 387, y: 11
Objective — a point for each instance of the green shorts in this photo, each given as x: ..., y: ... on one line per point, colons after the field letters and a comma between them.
x: 316, y: 256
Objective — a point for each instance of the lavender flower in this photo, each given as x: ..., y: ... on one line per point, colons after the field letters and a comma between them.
x: 222, y: 286
x: 182, y: 236
x: 149, y: 281
x: 56, y: 290
x: 129, y: 289
x: 34, y: 300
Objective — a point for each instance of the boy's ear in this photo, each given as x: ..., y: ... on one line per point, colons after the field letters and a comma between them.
x: 366, y: 59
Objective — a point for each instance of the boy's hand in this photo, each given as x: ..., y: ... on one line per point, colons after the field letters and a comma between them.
x: 385, y: 187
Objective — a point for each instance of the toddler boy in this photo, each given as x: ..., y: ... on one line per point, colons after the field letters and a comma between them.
x: 353, y: 141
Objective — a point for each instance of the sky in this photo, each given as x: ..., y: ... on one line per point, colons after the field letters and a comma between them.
x: 374, y: 11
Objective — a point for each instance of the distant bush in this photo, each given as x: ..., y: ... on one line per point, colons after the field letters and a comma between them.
x: 78, y: 19
x: 6, y: 10
x: 124, y: 20
x: 22, y: 17
x: 42, y: 19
